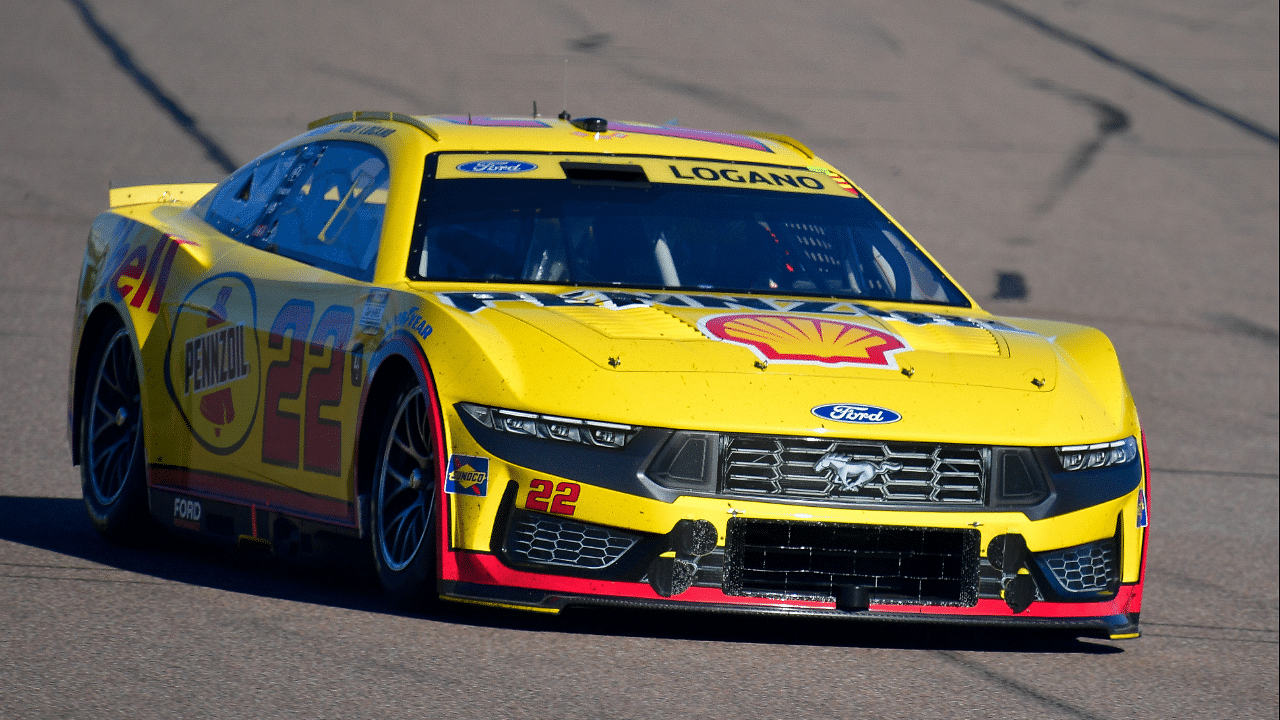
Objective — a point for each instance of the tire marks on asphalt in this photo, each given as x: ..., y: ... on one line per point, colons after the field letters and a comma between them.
x: 1111, y: 119
x: 1180, y: 92
x: 1018, y: 687
x: 185, y: 121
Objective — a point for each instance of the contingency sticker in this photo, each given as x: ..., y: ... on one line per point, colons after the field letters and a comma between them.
x: 467, y: 475
x: 1142, y: 508
x: 805, y: 340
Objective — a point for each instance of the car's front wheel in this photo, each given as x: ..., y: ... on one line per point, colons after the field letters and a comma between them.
x: 112, y: 453
x: 404, y: 493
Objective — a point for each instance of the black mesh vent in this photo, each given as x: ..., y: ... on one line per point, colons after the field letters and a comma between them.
x: 777, y: 558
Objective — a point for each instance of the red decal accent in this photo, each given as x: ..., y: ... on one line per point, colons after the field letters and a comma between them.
x: 322, y: 451
x: 281, y: 430
x: 241, y: 491
x: 567, y: 495
x: 141, y: 294
x: 130, y: 268
x: 218, y: 408
x: 539, y: 491
x: 806, y: 340
x: 158, y: 294
x: 487, y: 569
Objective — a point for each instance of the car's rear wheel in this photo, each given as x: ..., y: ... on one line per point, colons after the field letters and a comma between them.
x: 112, y: 452
x: 404, y: 501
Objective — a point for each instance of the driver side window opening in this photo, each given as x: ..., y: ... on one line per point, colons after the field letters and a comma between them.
x: 320, y: 203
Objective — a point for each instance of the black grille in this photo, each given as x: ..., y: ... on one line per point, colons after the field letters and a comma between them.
x: 1089, y: 568
x: 854, y: 471
x: 778, y: 558
x: 549, y: 540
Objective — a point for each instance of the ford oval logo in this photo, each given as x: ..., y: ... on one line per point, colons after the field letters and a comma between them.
x: 497, y: 167
x: 860, y: 414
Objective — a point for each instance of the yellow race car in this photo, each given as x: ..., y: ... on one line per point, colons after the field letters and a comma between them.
x: 537, y: 363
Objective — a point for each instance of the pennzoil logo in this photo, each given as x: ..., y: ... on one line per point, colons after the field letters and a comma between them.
x: 213, y: 367
x: 806, y: 340
x: 467, y: 475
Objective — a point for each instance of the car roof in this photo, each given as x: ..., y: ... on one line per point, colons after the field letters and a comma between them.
x: 483, y: 133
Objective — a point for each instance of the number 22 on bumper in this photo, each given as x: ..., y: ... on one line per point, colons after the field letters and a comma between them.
x: 559, y: 499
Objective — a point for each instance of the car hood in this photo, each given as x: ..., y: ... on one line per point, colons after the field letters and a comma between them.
x: 768, y: 365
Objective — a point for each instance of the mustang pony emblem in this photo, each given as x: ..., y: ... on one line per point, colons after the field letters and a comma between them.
x: 842, y: 468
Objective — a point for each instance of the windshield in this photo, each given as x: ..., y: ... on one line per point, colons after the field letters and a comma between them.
x: 667, y: 236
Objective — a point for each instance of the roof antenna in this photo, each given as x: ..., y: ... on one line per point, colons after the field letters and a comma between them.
x: 535, y: 109
x: 564, y: 114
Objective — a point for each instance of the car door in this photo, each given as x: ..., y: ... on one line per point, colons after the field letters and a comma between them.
x: 279, y: 308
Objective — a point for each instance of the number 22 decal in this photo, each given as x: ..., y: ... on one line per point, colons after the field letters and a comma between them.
x: 283, y: 433
x: 562, y: 503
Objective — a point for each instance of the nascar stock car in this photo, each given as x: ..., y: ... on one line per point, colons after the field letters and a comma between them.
x: 538, y: 363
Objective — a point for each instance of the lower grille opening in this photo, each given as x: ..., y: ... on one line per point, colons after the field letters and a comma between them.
x: 549, y: 540
x: 810, y: 560
x: 1088, y: 569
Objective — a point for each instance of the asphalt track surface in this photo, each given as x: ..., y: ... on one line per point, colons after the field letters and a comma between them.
x: 1111, y: 163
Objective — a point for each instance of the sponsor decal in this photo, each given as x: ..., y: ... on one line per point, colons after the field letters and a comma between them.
x: 412, y: 320
x: 839, y: 179
x: 212, y: 365
x: 467, y: 475
x: 473, y: 302
x: 187, y: 513
x: 858, y: 414
x: 215, y: 359
x: 852, y: 474
x: 798, y: 339
x: 143, y: 272
x: 744, y: 176
x: 371, y: 314
x: 1142, y: 508
x: 496, y: 167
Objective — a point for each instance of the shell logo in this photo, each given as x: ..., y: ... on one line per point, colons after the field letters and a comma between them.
x: 806, y: 340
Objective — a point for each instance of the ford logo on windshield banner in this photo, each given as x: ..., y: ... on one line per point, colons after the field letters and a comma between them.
x: 859, y: 414
x: 497, y: 167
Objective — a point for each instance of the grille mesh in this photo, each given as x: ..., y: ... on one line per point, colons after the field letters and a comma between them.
x: 773, y: 558
x: 854, y: 471
x: 1084, y: 568
x: 548, y: 540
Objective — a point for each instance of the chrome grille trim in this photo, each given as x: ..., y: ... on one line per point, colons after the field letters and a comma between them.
x: 854, y: 471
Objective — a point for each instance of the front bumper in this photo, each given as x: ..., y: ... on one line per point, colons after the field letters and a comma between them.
x: 544, y: 541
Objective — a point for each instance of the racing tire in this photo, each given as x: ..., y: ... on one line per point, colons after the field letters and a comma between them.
x: 404, y: 502
x: 113, y: 459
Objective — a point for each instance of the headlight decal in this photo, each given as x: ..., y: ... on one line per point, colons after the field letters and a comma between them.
x: 552, y: 427
x: 1099, y: 455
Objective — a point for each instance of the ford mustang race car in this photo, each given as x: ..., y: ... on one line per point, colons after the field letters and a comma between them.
x: 541, y: 363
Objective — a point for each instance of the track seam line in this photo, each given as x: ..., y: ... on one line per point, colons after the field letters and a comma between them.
x: 180, y: 117
x: 1019, y: 687
x: 1182, y: 93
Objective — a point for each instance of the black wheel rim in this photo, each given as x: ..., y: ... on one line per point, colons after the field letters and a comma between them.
x: 113, y: 437
x: 405, y: 484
